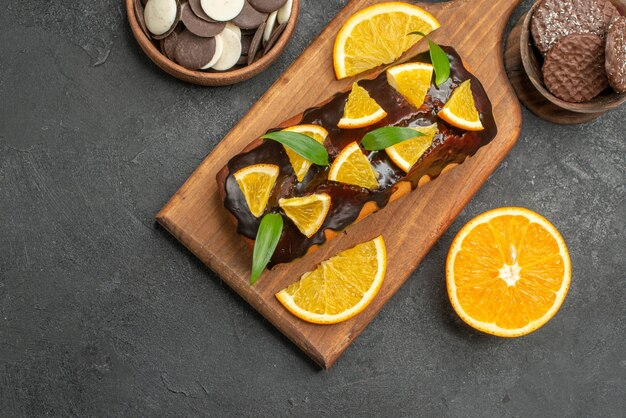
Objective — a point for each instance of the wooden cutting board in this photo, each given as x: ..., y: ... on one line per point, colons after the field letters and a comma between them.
x: 410, y: 226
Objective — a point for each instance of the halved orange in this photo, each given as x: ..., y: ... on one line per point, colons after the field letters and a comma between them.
x: 300, y: 164
x: 360, y: 110
x: 460, y: 109
x: 508, y: 272
x: 411, y: 80
x: 256, y: 183
x: 352, y: 167
x: 340, y: 287
x: 307, y: 212
x: 377, y: 35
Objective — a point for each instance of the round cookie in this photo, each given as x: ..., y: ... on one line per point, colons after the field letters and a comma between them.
x: 197, y: 26
x: 161, y: 17
x: 267, y: 6
x: 284, y: 13
x: 168, y: 45
x: 232, y: 27
x: 222, y: 10
x: 249, y: 18
x: 270, y: 24
x: 246, y: 41
x: 219, y: 50
x: 574, y: 68
x: 255, y: 43
x: 275, y: 35
x: 231, y: 52
x: 192, y: 51
x: 616, y: 54
x: 196, y: 7
x: 554, y: 19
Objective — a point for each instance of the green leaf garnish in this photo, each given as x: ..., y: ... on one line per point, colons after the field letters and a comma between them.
x: 301, y: 144
x: 387, y: 136
x: 439, y: 59
x: 270, y: 230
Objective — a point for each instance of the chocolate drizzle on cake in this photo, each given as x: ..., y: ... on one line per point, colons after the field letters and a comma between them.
x: 450, y: 145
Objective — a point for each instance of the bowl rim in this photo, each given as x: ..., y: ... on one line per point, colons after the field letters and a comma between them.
x: 527, y: 48
x: 210, y: 78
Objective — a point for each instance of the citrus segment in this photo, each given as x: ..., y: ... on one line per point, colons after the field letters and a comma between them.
x: 460, y: 110
x: 340, y: 287
x: 406, y: 153
x: 307, y: 212
x: 256, y: 183
x: 411, y: 80
x: 352, y: 167
x: 360, y: 110
x: 300, y: 164
x: 508, y: 272
x: 377, y: 35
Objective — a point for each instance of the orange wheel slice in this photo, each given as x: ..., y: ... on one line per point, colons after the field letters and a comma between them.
x: 508, y: 271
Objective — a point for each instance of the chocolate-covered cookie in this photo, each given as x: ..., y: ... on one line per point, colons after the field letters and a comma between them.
x: 192, y: 51
x: 219, y: 50
x: 249, y: 18
x: 616, y: 54
x: 168, y: 45
x: 554, y: 19
x: 267, y: 6
x: 196, y: 7
x: 255, y: 45
x: 199, y: 26
x: 274, y: 37
x: 246, y: 41
x: 574, y: 68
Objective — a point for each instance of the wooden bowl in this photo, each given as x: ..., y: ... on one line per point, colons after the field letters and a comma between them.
x: 532, y: 61
x: 205, y: 78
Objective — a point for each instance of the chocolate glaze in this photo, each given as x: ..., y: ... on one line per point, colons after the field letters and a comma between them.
x: 450, y: 145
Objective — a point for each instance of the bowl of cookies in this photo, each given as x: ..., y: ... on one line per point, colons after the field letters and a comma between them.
x: 574, y: 53
x: 212, y: 42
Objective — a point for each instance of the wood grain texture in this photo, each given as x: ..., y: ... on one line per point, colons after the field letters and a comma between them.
x: 410, y: 225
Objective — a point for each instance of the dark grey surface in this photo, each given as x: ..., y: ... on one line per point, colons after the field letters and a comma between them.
x: 103, y: 313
